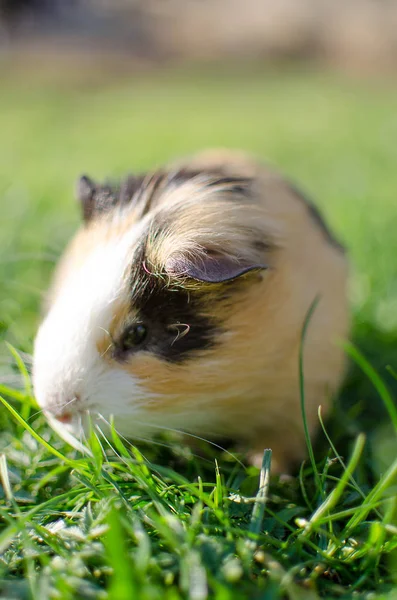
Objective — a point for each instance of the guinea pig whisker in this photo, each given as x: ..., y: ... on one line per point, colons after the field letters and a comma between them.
x: 180, y: 334
x: 147, y: 441
x: 109, y: 443
x: 53, y: 412
x: 170, y: 447
x: 112, y: 341
x: 121, y: 437
x: 74, y: 399
x: 38, y: 412
x: 192, y: 435
x: 144, y: 439
x: 107, y: 332
x: 106, y: 350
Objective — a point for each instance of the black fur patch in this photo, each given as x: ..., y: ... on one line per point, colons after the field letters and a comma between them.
x: 128, y: 188
x: 175, y: 317
x: 316, y: 217
x: 144, y: 191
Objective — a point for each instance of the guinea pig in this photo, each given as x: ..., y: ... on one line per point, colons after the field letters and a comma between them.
x: 180, y: 304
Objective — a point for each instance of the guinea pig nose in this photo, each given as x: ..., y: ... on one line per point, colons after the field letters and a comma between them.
x: 64, y: 413
x: 64, y: 417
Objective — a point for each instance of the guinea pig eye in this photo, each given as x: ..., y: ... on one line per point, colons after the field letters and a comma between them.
x: 133, y: 337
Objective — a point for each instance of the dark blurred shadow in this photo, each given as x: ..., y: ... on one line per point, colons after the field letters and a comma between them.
x: 359, y: 407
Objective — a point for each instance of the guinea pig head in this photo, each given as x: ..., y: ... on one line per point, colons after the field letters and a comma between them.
x: 139, y: 322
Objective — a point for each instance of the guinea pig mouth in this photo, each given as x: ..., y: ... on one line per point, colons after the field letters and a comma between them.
x: 65, y: 417
x: 71, y: 430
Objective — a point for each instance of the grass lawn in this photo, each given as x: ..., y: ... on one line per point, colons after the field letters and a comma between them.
x: 166, y: 524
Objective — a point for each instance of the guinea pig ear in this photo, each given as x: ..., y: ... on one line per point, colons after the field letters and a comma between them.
x: 85, y: 194
x: 210, y: 267
x: 95, y: 199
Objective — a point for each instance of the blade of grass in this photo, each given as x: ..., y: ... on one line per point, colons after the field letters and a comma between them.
x: 16, y: 395
x: 339, y: 458
x: 305, y: 327
x: 37, y: 436
x: 5, y: 480
x: 337, y: 492
x: 122, y: 584
x: 218, y: 487
x: 25, y: 408
x: 374, y: 496
x: 376, y: 380
x: 22, y: 368
x: 260, y: 502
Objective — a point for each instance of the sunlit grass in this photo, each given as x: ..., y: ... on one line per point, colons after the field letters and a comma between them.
x: 159, y: 522
x: 115, y: 523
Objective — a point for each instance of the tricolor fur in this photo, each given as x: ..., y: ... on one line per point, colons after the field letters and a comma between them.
x: 219, y: 259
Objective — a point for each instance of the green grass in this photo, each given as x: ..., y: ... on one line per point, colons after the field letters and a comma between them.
x: 161, y: 522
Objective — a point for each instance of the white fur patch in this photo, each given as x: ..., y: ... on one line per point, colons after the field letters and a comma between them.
x: 66, y: 360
